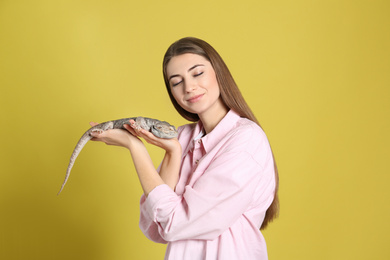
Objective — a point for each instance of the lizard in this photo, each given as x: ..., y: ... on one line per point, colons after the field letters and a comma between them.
x: 159, y: 128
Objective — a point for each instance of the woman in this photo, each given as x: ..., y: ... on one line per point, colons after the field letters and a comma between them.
x: 217, y: 184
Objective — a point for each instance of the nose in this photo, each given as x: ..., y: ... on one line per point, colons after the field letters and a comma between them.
x: 189, y: 86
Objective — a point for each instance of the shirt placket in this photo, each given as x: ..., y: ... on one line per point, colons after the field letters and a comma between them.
x: 197, y: 153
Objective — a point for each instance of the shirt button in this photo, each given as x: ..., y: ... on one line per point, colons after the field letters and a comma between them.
x: 197, y: 161
x: 199, y: 141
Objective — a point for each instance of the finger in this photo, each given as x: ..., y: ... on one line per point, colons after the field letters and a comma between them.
x: 149, y: 137
x: 94, y: 134
x: 99, y: 134
x: 94, y: 139
x: 146, y: 134
x: 93, y: 123
x: 130, y: 129
x: 135, y: 127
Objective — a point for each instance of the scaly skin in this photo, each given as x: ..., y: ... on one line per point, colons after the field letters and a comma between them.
x: 160, y: 129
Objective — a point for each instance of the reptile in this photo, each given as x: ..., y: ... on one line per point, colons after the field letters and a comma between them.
x: 159, y: 128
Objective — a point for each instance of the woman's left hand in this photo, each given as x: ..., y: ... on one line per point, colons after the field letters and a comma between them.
x: 169, y: 145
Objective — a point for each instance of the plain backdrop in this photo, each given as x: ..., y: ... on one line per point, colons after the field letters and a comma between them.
x: 315, y: 73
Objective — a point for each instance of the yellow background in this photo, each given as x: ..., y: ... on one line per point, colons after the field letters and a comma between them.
x: 316, y: 74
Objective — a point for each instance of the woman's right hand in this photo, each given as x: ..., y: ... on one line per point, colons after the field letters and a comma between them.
x: 117, y: 137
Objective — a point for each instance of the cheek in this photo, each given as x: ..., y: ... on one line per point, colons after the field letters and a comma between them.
x: 213, y: 85
x: 176, y: 95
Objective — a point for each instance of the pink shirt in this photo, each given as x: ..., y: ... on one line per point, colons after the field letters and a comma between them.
x: 226, y: 184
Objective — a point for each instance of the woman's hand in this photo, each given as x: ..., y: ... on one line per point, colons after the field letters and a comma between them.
x: 169, y: 145
x: 117, y: 137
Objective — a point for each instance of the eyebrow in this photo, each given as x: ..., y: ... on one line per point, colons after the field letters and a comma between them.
x: 193, y: 67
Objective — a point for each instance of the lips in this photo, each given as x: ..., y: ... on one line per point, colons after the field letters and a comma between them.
x: 195, y: 99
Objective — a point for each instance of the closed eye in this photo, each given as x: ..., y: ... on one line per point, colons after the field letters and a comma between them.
x: 174, y: 85
x: 196, y: 75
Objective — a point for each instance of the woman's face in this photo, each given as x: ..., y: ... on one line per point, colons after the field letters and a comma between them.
x: 194, y: 84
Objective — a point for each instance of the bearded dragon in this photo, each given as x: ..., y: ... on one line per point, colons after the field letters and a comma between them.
x: 159, y: 128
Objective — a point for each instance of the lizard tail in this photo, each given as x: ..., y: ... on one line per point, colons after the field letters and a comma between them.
x: 81, y: 143
x: 83, y: 140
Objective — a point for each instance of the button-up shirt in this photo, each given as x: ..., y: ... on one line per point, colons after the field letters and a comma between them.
x: 226, y: 184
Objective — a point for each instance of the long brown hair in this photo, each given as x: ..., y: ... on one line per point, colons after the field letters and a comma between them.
x: 230, y: 94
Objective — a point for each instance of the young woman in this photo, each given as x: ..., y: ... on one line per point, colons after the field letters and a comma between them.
x: 217, y: 184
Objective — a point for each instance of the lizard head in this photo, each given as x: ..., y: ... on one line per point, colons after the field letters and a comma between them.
x: 164, y: 130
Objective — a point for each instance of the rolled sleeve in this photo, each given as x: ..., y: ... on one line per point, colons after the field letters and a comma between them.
x: 160, y: 203
x: 156, y: 210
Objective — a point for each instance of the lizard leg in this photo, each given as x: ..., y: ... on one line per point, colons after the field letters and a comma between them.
x: 98, y: 130
x: 103, y: 127
x: 141, y: 123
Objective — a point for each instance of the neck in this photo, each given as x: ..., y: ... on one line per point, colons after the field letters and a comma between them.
x: 211, y: 119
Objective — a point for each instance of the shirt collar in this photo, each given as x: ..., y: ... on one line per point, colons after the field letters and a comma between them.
x: 215, y: 136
